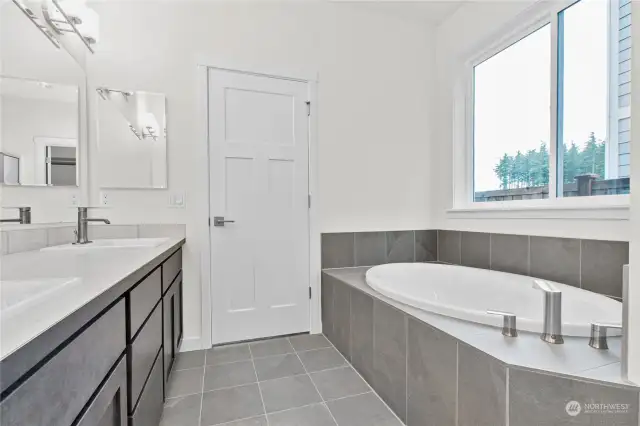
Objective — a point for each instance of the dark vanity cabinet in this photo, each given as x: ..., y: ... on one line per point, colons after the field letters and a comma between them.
x: 155, y: 315
x: 109, y: 406
x: 114, y: 370
x: 172, y: 308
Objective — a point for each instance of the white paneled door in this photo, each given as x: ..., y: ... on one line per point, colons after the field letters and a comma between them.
x: 259, y: 185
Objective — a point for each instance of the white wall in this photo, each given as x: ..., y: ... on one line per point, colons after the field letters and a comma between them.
x: 375, y: 77
x: 481, y: 21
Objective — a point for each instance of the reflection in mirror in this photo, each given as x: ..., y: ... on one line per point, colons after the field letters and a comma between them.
x: 132, y: 140
x: 39, y: 132
x: 9, y: 169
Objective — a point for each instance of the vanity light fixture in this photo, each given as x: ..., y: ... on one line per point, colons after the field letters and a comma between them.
x: 104, y: 93
x: 74, y: 17
x: 36, y: 21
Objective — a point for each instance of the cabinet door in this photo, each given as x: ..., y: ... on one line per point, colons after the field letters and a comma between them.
x: 167, y: 332
x: 177, y: 317
x: 109, y: 406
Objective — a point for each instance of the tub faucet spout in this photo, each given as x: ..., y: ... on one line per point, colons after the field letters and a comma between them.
x: 552, y: 328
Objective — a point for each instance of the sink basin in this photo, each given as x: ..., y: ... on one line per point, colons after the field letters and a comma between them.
x: 15, y: 294
x: 111, y: 244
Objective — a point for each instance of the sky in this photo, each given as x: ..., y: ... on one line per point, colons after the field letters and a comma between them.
x: 512, y: 91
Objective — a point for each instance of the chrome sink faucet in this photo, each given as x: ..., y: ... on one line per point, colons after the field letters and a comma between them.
x: 24, y: 217
x: 82, y: 233
x: 552, y: 327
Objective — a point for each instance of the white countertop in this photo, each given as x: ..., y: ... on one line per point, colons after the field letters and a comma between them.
x: 94, y: 271
x: 574, y: 358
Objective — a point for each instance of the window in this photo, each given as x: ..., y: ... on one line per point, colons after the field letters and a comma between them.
x: 545, y: 128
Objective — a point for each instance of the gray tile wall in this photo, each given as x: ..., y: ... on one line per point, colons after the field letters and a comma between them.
x: 589, y: 264
x: 429, y: 378
x: 341, y: 250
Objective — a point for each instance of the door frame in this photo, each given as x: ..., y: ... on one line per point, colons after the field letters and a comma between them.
x: 202, y: 89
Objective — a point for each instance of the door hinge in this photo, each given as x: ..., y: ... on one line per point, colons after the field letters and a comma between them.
x: 309, y: 292
x: 308, y: 108
x: 309, y: 200
x: 209, y: 221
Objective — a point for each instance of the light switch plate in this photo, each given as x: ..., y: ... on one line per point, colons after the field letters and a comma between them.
x: 177, y: 200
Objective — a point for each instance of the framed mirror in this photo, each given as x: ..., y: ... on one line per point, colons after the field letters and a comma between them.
x: 132, y: 139
x: 39, y: 132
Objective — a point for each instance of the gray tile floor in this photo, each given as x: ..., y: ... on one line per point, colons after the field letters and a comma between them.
x: 289, y: 381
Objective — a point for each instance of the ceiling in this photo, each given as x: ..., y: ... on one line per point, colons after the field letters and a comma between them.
x: 417, y: 11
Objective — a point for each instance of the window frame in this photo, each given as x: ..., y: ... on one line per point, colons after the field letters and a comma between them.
x: 534, y: 18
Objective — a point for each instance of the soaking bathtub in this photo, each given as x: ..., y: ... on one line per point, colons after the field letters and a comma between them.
x: 467, y: 293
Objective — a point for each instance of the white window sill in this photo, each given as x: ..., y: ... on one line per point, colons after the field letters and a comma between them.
x: 614, y: 207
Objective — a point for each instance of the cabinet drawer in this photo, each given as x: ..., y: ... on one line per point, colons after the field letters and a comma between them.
x: 58, y: 391
x: 142, y: 353
x: 170, y: 269
x: 109, y: 406
x: 143, y: 298
x: 149, y: 409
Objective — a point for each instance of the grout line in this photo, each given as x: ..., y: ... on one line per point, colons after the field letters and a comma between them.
x: 506, y: 399
x: 273, y: 356
x: 354, y: 249
x: 281, y: 378
x: 315, y: 387
x: 457, y: 381
x: 580, y: 265
x: 202, y: 393
x: 221, y: 363
x: 490, y: 251
x: 238, y: 420
x: 351, y: 396
x: 386, y: 246
x: 529, y: 255
x: 414, y: 245
x: 406, y: 367
x: 255, y: 371
x: 184, y: 395
x: 231, y: 387
x: 314, y: 349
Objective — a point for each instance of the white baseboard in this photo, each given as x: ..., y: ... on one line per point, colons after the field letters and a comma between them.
x: 190, y: 344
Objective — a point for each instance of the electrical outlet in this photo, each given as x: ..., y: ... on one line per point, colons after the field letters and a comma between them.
x: 74, y: 200
x: 104, y: 199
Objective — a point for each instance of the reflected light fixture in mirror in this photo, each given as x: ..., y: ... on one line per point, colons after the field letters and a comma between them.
x: 132, y: 139
x: 28, y: 10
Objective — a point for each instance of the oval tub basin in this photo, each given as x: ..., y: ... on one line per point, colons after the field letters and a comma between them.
x: 467, y: 293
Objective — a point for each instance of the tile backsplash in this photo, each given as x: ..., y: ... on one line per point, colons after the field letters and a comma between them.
x: 35, y: 238
x: 589, y: 264
x: 350, y: 249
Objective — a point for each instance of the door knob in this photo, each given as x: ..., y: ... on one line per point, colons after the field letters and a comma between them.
x: 220, y: 221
